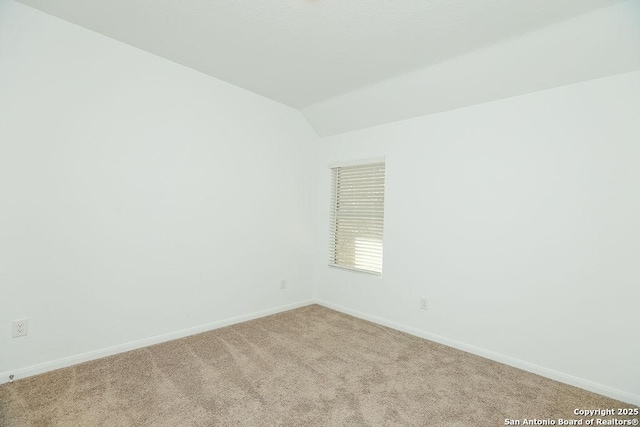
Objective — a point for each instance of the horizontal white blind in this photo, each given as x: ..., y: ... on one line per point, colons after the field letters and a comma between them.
x: 357, y: 216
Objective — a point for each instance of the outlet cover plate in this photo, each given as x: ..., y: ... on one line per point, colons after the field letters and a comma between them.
x: 20, y: 328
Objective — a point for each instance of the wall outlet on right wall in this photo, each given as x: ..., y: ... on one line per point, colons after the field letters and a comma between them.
x: 423, y: 303
x: 20, y: 328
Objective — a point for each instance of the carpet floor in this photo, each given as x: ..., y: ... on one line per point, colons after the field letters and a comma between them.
x: 306, y: 367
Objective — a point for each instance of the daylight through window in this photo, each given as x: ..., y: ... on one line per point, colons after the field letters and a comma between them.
x: 357, y: 217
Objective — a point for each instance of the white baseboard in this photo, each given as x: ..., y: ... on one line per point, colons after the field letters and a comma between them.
x: 516, y: 363
x: 613, y: 393
x: 121, y: 348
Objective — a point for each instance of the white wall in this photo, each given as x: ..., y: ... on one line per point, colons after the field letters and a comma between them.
x: 138, y: 197
x: 519, y: 221
x: 594, y: 45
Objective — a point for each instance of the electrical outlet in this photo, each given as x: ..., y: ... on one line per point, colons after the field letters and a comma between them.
x: 283, y: 284
x: 423, y: 303
x: 20, y: 328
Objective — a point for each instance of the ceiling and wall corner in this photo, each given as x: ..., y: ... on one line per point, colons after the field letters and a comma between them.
x: 594, y: 45
x: 301, y: 52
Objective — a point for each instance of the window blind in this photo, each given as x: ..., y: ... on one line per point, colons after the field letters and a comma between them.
x: 357, y: 217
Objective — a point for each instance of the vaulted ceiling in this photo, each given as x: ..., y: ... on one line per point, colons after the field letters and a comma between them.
x: 301, y: 52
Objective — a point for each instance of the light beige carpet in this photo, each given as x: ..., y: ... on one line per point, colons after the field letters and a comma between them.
x: 306, y: 367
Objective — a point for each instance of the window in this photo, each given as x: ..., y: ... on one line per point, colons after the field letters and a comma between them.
x: 357, y: 215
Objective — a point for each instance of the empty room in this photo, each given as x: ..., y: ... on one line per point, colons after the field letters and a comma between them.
x: 319, y: 213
